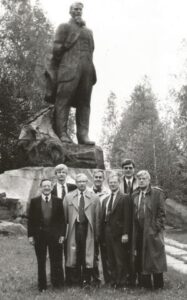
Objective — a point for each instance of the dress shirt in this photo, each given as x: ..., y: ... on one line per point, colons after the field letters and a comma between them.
x: 130, y: 179
x: 114, y: 199
x: 44, y: 197
x: 59, y: 189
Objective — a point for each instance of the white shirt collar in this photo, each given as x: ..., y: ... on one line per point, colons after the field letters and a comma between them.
x: 129, y: 179
x: 44, y: 197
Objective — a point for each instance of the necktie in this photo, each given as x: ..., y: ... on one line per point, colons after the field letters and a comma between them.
x: 46, y: 199
x: 63, y: 192
x: 128, y: 187
x: 141, y: 206
x: 82, y: 216
x: 109, y: 210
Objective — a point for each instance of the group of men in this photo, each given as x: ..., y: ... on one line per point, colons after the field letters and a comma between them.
x: 122, y: 223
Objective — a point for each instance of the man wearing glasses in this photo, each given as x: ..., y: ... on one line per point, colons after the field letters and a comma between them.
x: 129, y: 181
x: 128, y: 185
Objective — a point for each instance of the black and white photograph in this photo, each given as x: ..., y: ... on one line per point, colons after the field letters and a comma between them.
x: 93, y: 149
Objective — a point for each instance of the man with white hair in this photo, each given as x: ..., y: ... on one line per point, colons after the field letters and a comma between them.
x: 82, y: 215
x: 102, y: 192
x: 114, y: 230
x: 149, y: 217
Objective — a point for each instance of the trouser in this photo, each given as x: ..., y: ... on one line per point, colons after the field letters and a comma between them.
x: 42, y: 242
x: 83, y: 273
x: 105, y: 263
x: 115, y: 253
x: 145, y: 280
x: 95, y: 274
x: 152, y: 280
x: 76, y: 92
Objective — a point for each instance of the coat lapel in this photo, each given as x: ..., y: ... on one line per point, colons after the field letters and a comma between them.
x: 87, y: 200
x: 116, y: 201
x: 75, y: 199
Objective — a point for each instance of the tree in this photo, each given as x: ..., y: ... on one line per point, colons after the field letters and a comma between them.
x: 109, y: 127
x: 141, y: 137
x: 25, y: 36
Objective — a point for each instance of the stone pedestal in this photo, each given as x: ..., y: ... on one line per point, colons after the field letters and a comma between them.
x: 38, y: 145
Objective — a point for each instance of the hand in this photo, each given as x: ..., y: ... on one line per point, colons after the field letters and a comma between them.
x: 61, y: 239
x: 31, y: 240
x: 124, y: 238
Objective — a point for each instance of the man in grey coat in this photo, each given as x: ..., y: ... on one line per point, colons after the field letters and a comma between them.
x: 70, y: 75
x: 148, y: 239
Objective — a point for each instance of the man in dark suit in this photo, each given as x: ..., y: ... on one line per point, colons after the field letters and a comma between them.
x: 61, y: 188
x: 71, y: 75
x: 102, y: 192
x: 46, y: 230
x: 128, y: 184
x: 114, y: 230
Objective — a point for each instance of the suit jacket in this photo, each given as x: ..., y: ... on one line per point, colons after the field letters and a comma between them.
x: 119, y: 219
x: 124, y: 187
x: 57, y: 226
x: 92, y: 212
x: 70, y: 186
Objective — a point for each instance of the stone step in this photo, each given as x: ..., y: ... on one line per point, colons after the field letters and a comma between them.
x: 175, y: 244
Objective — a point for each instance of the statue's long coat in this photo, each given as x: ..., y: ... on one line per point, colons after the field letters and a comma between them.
x: 63, y: 65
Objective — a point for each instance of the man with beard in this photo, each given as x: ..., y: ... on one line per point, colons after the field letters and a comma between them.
x: 70, y: 75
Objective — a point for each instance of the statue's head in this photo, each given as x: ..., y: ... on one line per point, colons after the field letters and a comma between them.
x: 76, y: 10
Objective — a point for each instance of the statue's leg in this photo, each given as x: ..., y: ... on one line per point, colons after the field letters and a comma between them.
x: 83, y: 108
x: 62, y: 108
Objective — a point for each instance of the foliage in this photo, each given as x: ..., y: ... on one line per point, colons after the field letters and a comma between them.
x: 109, y: 128
x: 25, y: 36
x: 141, y: 137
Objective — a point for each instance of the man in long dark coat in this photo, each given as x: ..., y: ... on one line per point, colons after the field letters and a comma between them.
x: 71, y: 74
x: 149, y: 217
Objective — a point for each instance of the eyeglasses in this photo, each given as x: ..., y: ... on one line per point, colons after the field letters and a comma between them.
x: 128, y: 168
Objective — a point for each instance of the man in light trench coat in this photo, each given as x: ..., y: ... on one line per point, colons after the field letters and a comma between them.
x: 82, y: 215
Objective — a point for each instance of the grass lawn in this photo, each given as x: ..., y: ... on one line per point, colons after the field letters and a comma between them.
x: 18, y: 279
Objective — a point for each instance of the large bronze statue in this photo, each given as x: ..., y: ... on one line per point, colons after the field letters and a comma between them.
x: 71, y: 74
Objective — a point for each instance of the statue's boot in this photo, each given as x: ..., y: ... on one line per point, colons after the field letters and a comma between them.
x: 82, y: 121
x: 61, y: 125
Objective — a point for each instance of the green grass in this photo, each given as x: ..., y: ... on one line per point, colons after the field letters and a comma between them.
x: 18, y: 279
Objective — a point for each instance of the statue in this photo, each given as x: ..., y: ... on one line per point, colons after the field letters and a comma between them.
x: 70, y: 75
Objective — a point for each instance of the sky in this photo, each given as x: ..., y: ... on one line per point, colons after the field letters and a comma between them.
x: 133, y: 38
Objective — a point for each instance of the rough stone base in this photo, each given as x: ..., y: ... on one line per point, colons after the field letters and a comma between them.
x: 38, y: 145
